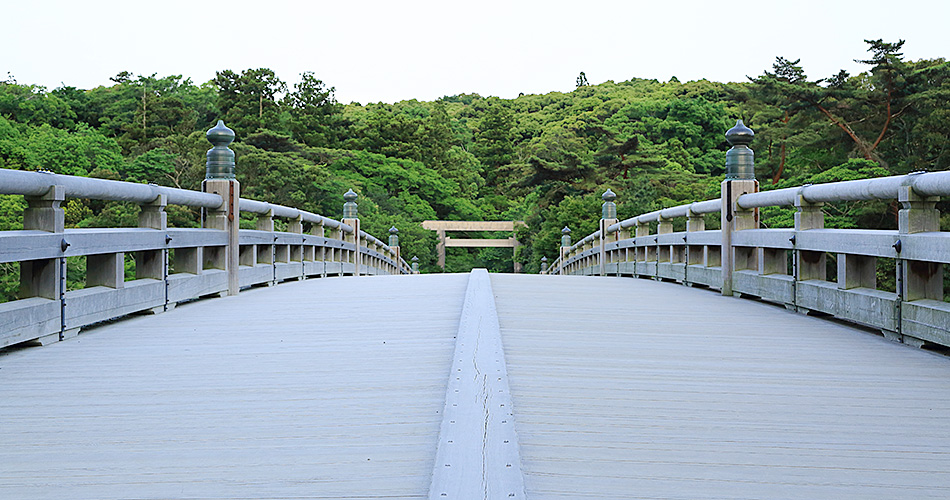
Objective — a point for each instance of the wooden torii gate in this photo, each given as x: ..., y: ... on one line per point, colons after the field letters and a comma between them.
x: 443, y: 226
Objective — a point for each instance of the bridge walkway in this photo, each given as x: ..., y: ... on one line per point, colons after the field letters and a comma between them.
x: 629, y: 388
x: 333, y: 388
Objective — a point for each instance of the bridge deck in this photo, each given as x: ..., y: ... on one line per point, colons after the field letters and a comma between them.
x: 293, y: 391
x: 332, y: 388
x: 637, y: 389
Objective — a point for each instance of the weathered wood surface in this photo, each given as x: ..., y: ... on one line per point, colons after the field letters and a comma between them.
x: 481, y: 242
x: 477, y: 456
x: 627, y: 388
x: 328, y: 388
x: 466, y: 225
x: 621, y: 388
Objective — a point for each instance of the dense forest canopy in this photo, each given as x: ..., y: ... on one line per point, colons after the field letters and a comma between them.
x: 543, y: 159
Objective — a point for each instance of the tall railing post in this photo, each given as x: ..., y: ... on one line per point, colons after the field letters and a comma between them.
x: 219, y: 179
x: 608, y: 217
x: 394, y: 246
x: 740, y: 179
x: 565, y: 248
x: 351, y: 218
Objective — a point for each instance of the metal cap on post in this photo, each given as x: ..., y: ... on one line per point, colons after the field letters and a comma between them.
x: 220, y: 164
x: 740, y: 160
x: 609, y: 208
x: 393, y: 237
x: 350, y: 207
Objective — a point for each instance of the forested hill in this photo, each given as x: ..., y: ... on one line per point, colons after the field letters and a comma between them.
x: 540, y: 158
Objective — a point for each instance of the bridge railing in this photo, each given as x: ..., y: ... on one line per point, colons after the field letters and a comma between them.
x: 171, y: 265
x: 790, y: 265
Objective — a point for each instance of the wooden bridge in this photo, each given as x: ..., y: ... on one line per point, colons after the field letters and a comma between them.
x: 314, y: 362
x: 337, y: 388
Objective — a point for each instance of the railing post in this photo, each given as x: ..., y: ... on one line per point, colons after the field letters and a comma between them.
x: 544, y: 265
x: 109, y: 270
x: 351, y: 218
x: 641, y: 232
x: 267, y: 253
x: 43, y: 278
x: 740, y: 179
x: 265, y: 221
x: 219, y: 179
x: 608, y: 217
x: 394, y: 246
x: 624, y: 234
x: 565, y: 247
x: 296, y: 252
x: 664, y: 253
x: 810, y: 265
x: 320, y: 252
x: 331, y: 254
x: 921, y: 279
x: 415, y: 265
x: 46, y: 278
x: 695, y: 223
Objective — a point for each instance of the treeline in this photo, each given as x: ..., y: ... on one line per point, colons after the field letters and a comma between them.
x: 540, y: 158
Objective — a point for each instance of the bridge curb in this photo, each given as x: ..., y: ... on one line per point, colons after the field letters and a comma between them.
x: 478, y: 454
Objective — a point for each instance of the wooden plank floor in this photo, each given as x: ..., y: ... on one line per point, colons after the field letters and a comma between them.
x: 333, y: 388
x: 328, y: 388
x: 627, y: 388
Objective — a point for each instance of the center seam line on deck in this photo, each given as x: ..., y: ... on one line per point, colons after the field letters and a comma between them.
x: 478, y: 454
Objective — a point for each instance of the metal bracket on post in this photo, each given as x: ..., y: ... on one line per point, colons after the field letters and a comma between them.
x: 165, y: 275
x: 62, y: 296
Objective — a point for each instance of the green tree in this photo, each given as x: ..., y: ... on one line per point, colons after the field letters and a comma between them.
x: 493, y: 140
x: 314, y: 113
x: 859, y: 107
x: 248, y: 101
x: 581, y: 80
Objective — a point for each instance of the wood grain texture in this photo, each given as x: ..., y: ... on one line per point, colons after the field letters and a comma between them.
x: 328, y: 388
x: 335, y: 388
x: 477, y: 457
x: 628, y: 388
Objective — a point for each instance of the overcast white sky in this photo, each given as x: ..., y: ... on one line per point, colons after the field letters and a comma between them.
x: 392, y: 50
